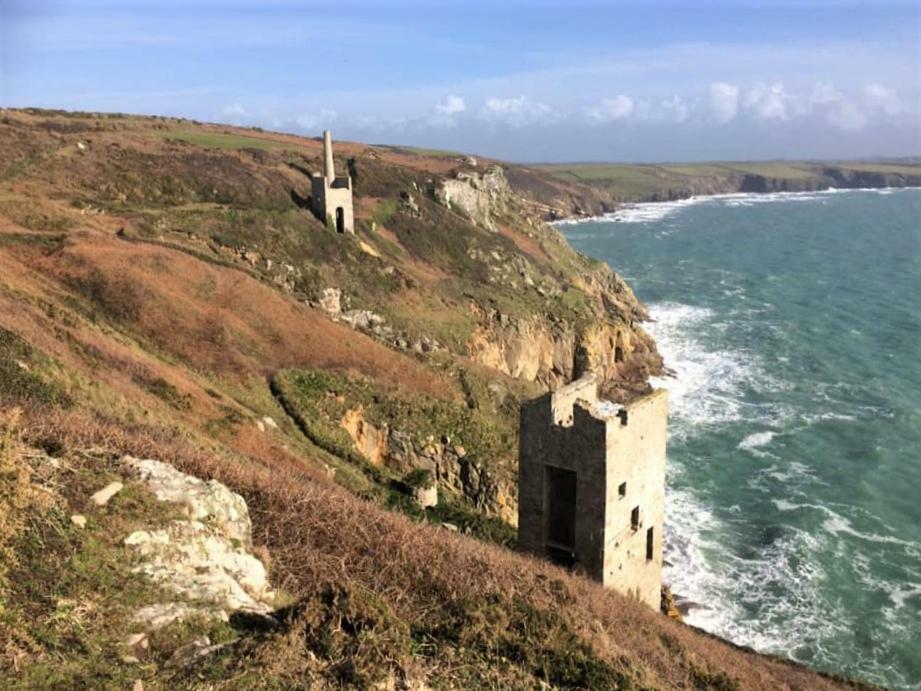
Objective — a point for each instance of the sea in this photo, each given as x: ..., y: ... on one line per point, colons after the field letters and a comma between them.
x: 791, y: 323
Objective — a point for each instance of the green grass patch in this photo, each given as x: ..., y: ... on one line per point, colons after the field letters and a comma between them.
x: 423, y: 151
x: 218, y: 140
x: 26, y: 374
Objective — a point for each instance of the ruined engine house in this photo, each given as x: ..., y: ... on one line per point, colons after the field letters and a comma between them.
x: 331, y: 196
x: 592, y: 483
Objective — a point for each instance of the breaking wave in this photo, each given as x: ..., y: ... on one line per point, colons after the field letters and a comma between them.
x: 651, y: 212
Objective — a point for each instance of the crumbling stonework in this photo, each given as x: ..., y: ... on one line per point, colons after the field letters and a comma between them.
x: 592, y: 483
x: 331, y: 196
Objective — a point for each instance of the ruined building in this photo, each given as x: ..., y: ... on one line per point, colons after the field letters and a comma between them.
x: 591, y: 485
x: 331, y: 196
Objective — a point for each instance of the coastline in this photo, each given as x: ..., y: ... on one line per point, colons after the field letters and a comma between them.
x: 612, y: 215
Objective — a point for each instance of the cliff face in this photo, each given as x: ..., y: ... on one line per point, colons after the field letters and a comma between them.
x: 589, y: 189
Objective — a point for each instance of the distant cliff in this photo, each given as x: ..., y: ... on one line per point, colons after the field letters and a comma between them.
x: 567, y: 190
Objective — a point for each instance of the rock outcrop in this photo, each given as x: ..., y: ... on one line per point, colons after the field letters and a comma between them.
x: 447, y: 463
x: 482, y: 197
x: 204, y: 559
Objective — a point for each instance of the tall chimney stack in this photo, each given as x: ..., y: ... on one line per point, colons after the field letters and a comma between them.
x: 328, y: 169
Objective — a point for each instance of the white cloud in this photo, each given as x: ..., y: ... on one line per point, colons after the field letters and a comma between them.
x: 724, y: 101
x: 846, y: 116
x: 517, y: 112
x: 675, y: 109
x: 451, y: 105
x: 882, y: 98
x: 824, y: 93
x: 611, y: 109
x: 770, y: 102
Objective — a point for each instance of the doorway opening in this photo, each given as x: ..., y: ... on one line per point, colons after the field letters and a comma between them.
x: 560, y: 497
x: 340, y: 219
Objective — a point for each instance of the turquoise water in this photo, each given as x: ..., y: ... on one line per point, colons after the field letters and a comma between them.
x: 793, y: 325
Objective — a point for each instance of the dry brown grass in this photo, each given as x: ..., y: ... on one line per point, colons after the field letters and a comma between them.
x: 463, y: 597
x: 15, y: 488
x: 248, y: 328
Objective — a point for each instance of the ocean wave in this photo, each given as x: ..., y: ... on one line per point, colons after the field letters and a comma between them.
x: 708, y: 384
x: 650, y: 212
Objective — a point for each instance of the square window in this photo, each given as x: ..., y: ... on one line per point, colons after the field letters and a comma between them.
x: 622, y: 490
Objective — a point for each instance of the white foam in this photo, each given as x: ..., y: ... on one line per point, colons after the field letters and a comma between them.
x: 649, y: 212
x: 707, y: 384
x: 750, y: 601
x: 755, y: 441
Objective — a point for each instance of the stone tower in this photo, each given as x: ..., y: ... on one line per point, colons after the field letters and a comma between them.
x: 591, y: 485
x: 331, y: 196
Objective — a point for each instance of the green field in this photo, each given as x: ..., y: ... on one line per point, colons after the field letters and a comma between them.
x: 219, y: 140
x: 422, y: 151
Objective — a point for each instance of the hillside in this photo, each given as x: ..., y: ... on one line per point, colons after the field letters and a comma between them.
x: 590, y: 188
x: 164, y: 294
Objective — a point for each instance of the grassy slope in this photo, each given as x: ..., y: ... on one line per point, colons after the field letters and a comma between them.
x: 157, y: 341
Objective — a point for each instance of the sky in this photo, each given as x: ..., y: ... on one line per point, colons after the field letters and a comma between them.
x: 522, y: 80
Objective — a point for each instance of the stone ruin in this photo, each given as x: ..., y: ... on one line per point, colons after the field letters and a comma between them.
x: 331, y: 196
x: 592, y: 484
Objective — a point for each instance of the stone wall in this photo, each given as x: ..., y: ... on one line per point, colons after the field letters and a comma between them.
x: 618, y: 456
x: 636, y: 456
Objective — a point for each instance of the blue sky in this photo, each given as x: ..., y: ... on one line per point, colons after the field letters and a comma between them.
x: 522, y: 80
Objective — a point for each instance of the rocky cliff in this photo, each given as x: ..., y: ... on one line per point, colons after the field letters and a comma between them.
x: 591, y: 189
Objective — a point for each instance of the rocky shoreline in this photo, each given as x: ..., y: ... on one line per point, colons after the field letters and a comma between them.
x: 566, y: 192
x: 607, y: 214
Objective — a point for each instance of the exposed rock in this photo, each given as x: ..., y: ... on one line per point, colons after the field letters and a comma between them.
x: 161, y: 614
x: 139, y: 645
x: 200, y: 563
x: 361, y: 319
x: 102, y: 497
x: 269, y: 422
x: 205, y: 559
x: 78, y: 520
x: 668, y: 605
x: 426, y: 497
x: 368, y: 249
x: 408, y: 204
x: 330, y: 301
x: 370, y: 441
x: 208, y: 501
x: 482, y: 197
x: 553, y: 352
